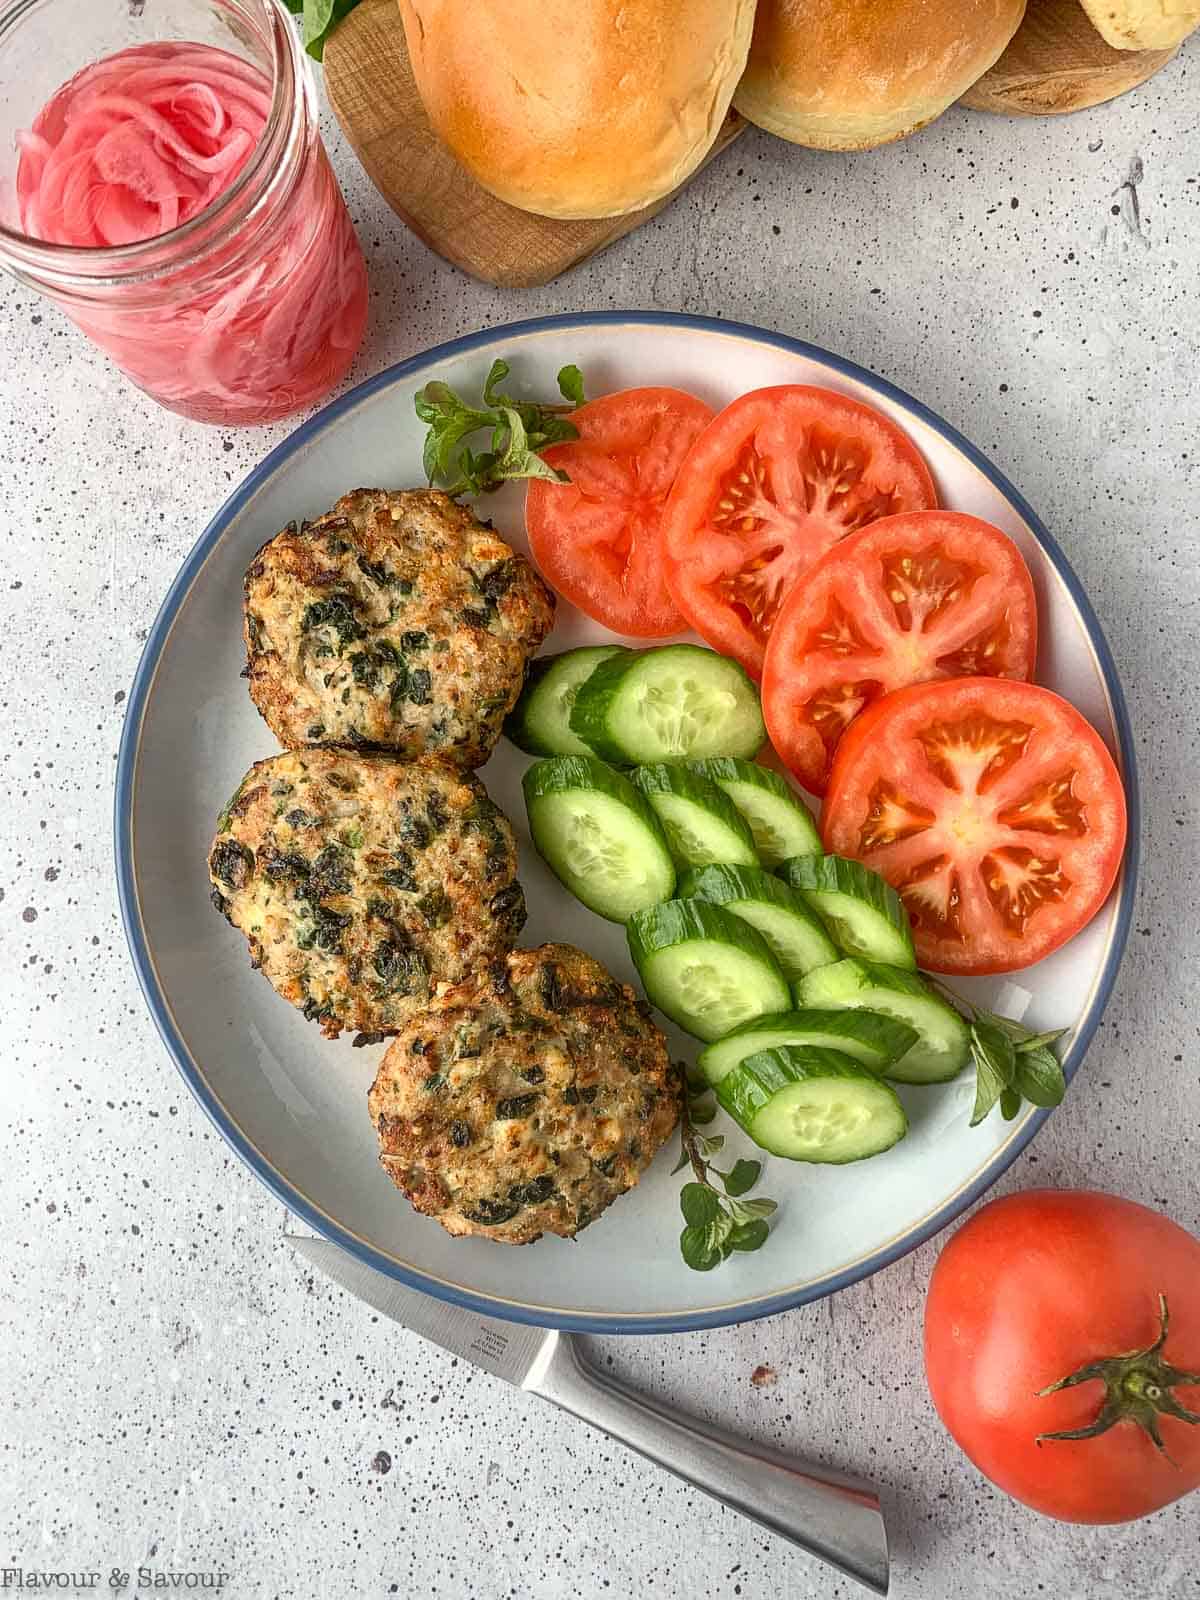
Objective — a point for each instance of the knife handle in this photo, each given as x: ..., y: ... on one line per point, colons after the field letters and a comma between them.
x: 833, y: 1517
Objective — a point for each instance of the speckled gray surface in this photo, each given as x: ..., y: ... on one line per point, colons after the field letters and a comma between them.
x: 175, y: 1391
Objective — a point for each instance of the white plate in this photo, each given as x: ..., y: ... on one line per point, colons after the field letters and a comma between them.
x: 294, y: 1106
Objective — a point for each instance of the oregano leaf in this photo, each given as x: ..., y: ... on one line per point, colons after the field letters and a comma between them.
x: 742, y: 1176
x: 1038, y: 1041
x: 1039, y: 1077
x: 719, y: 1233
x: 999, y: 1049
x: 321, y: 17
x: 989, y: 1086
x: 553, y: 430
x: 995, y: 1065
x: 697, y: 1251
x: 699, y: 1205
x: 1012, y: 1063
x: 748, y: 1210
x: 749, y: 1235
x: 318, y: 14
x: 570, y: 384
x: 517, y: 429
x: 1006, y: 1025
x: 1017, y: 1032
x: 497, y: 372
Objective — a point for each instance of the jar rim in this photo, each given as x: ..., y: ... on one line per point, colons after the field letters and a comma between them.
x: 97, y: 265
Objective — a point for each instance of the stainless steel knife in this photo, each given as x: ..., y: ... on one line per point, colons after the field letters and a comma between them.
x: 833, y: 1517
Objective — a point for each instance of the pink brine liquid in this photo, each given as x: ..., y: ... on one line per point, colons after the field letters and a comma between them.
x: 268, y: 319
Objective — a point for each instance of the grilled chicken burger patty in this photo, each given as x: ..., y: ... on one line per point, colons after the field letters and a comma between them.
x: 526, y: 1100
x: 396, y: 620
x: 361, y: 882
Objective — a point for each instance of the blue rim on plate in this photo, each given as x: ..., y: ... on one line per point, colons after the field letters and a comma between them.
x: 744, y: 1311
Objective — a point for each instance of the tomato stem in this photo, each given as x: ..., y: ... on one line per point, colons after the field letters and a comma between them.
x: 1137, y: 1387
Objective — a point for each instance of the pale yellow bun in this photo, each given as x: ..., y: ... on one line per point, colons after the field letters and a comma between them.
x: 849, y: 74
x: 578, y: 108
x: 1143, y: 24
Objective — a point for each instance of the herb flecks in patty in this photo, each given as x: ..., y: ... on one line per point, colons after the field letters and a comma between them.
x: 347, y: 918
x: 355, y: 630
x: 232, y: 863
x: 554, y: 1091
x: 335, y: 614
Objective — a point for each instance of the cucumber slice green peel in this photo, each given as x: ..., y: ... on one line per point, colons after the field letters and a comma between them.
x: 598, y: 835
x: 863, y: 915
x: 793, y: 931
x: 670, y: 703
x: 539, y: 723
x: 705, y: 969
x: 701, y: 823
x: 810, y: 1104
x: 942, y: 1047
x: 781, y: 823
x: 868, y: 1037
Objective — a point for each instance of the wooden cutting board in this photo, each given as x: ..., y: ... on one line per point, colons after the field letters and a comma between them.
x: 371, y: 89
x: 1057, y: 62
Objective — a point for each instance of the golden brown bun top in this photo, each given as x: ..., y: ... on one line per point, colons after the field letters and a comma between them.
x: 578, y: 108
x: 848, y: 74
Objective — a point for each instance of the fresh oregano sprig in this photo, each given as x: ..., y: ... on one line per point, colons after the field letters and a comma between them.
x: 717, y: 1221
x: 519, y: 430
x: 318, y: 20
x: 1012, y: 1065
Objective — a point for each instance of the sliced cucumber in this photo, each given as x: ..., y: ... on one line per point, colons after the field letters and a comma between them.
x: 794, y: 933
x: 539, y: 723
x: 701, y: 823
x: 703, y: 968
x: 810, y: 1104
x: 868, y: 1037
x: 863, y: 914
x: 781, y: 823
x: 943, y: 1043
x: 598, y: 835
x: 672, y: 703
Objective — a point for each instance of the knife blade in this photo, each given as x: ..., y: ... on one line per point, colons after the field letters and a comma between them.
x: 508, y: 1350
x: 833, y: 1516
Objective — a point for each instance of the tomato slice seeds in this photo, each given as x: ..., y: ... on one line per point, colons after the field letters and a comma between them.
x: 928, y: 594
x: 991, y: 807
x: 598, y: 539
x: 778, y: 478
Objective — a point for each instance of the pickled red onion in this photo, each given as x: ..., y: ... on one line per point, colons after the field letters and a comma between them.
x: 139, y: 144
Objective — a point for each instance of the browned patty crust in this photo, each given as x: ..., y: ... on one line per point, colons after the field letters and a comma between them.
x: 526, y: 1100
x: 397, y: 620
x: 361, y: 881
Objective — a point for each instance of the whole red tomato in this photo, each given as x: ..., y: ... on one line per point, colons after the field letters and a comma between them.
x: 1059, y: 1284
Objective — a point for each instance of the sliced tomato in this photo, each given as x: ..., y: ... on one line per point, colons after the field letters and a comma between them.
x: 928, y: 594
x: 598, y: 538
x: 778, y: 478
x: 991, y: 807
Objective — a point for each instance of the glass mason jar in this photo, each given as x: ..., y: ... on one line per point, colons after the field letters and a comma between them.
x: 253, y: 308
